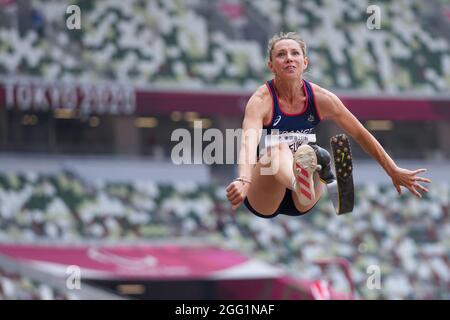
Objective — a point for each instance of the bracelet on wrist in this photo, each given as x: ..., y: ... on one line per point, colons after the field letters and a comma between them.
x: 245, y: 180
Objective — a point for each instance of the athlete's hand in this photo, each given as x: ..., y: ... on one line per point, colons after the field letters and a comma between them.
x: 409, y: 179
x: 237, y: 192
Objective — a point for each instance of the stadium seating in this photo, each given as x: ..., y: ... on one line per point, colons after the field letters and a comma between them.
x: 174, y: 43
x: 404, y: 237
x: 199, y: 44
x: 14, y: 286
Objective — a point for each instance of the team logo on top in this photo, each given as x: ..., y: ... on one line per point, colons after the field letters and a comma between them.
x: 277, y: 120
x: 311, y: 118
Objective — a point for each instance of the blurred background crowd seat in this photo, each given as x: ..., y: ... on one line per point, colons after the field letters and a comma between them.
x: 223, y: 42
x: 14, y: 286
x: 406, y: 237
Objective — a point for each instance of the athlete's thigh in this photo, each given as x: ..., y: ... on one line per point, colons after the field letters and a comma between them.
x: 318, y: 188
x: 265, y: 193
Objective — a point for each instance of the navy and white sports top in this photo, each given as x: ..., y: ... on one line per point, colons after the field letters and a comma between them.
x: 291, y: 126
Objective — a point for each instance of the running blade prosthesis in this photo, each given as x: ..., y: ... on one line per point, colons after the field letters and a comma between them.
x: 341, y: 191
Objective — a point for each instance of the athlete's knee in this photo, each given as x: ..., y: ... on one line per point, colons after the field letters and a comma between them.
x: 284, y: 147
x: 278, y: 149
x: 274, y: 153
x: 270, y: 162
x: 271, y: 155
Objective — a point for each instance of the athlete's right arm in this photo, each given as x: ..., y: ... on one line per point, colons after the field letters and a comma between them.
x: 251, y: 133
x: 255, y: 111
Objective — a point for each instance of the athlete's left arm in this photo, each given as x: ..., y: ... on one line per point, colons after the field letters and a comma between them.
x: 331, y: 107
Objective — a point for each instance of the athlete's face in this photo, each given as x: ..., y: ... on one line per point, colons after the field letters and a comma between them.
x: 288, y: 60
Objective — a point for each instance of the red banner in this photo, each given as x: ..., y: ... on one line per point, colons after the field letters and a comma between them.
x: 142, y: 262
x: 222, y: 104
x: 116, y: 99
x: 236, y: 276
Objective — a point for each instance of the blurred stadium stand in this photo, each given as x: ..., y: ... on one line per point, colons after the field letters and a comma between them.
x: 20, y: 281
x: 405, y: 236
x: 86, y: 118
x: 206, y: 43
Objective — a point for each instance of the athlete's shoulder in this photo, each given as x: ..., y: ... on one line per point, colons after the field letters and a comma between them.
x: 318, y: 90
x: 262, y: 93
x: 260, y: 104
x: 260, y: 98
x: 326, y: 101
x: 321, y: 94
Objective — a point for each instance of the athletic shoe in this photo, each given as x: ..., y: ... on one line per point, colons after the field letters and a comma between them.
x: 304, y: 166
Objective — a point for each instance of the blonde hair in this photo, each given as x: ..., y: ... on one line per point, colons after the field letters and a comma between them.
x: 282, y: 36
